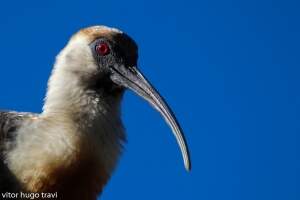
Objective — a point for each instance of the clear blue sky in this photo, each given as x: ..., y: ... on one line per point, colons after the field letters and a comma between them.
x: 229, y: 69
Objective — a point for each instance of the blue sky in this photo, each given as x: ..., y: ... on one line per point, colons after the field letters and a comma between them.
x: 229, y: 69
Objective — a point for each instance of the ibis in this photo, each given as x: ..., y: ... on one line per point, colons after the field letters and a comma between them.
x: 72, y: 147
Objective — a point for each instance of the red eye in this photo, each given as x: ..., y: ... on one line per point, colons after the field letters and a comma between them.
x: 102, y: 49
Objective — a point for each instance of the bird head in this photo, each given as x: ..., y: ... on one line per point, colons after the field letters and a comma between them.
x: 106, y: 57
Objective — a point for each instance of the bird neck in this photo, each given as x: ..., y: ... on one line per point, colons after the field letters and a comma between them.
x: 69, y: 93
x: 94, y: 115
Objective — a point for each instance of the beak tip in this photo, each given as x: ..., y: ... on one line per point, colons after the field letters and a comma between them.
x: 188, y: 167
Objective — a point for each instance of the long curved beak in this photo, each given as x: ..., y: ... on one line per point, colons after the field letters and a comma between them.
x: 133, y: 79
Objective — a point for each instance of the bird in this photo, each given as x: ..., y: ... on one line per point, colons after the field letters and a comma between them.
x: 73, y: 146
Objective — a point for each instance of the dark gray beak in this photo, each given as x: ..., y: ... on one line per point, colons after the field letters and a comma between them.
x: 132, y: 79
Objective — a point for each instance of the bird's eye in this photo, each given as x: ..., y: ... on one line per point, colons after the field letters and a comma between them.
x: 102, y: 49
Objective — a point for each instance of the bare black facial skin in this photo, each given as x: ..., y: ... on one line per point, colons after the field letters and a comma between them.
x: 119, y: 51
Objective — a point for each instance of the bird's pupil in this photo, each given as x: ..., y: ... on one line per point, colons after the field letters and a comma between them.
x: 102, y: 49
